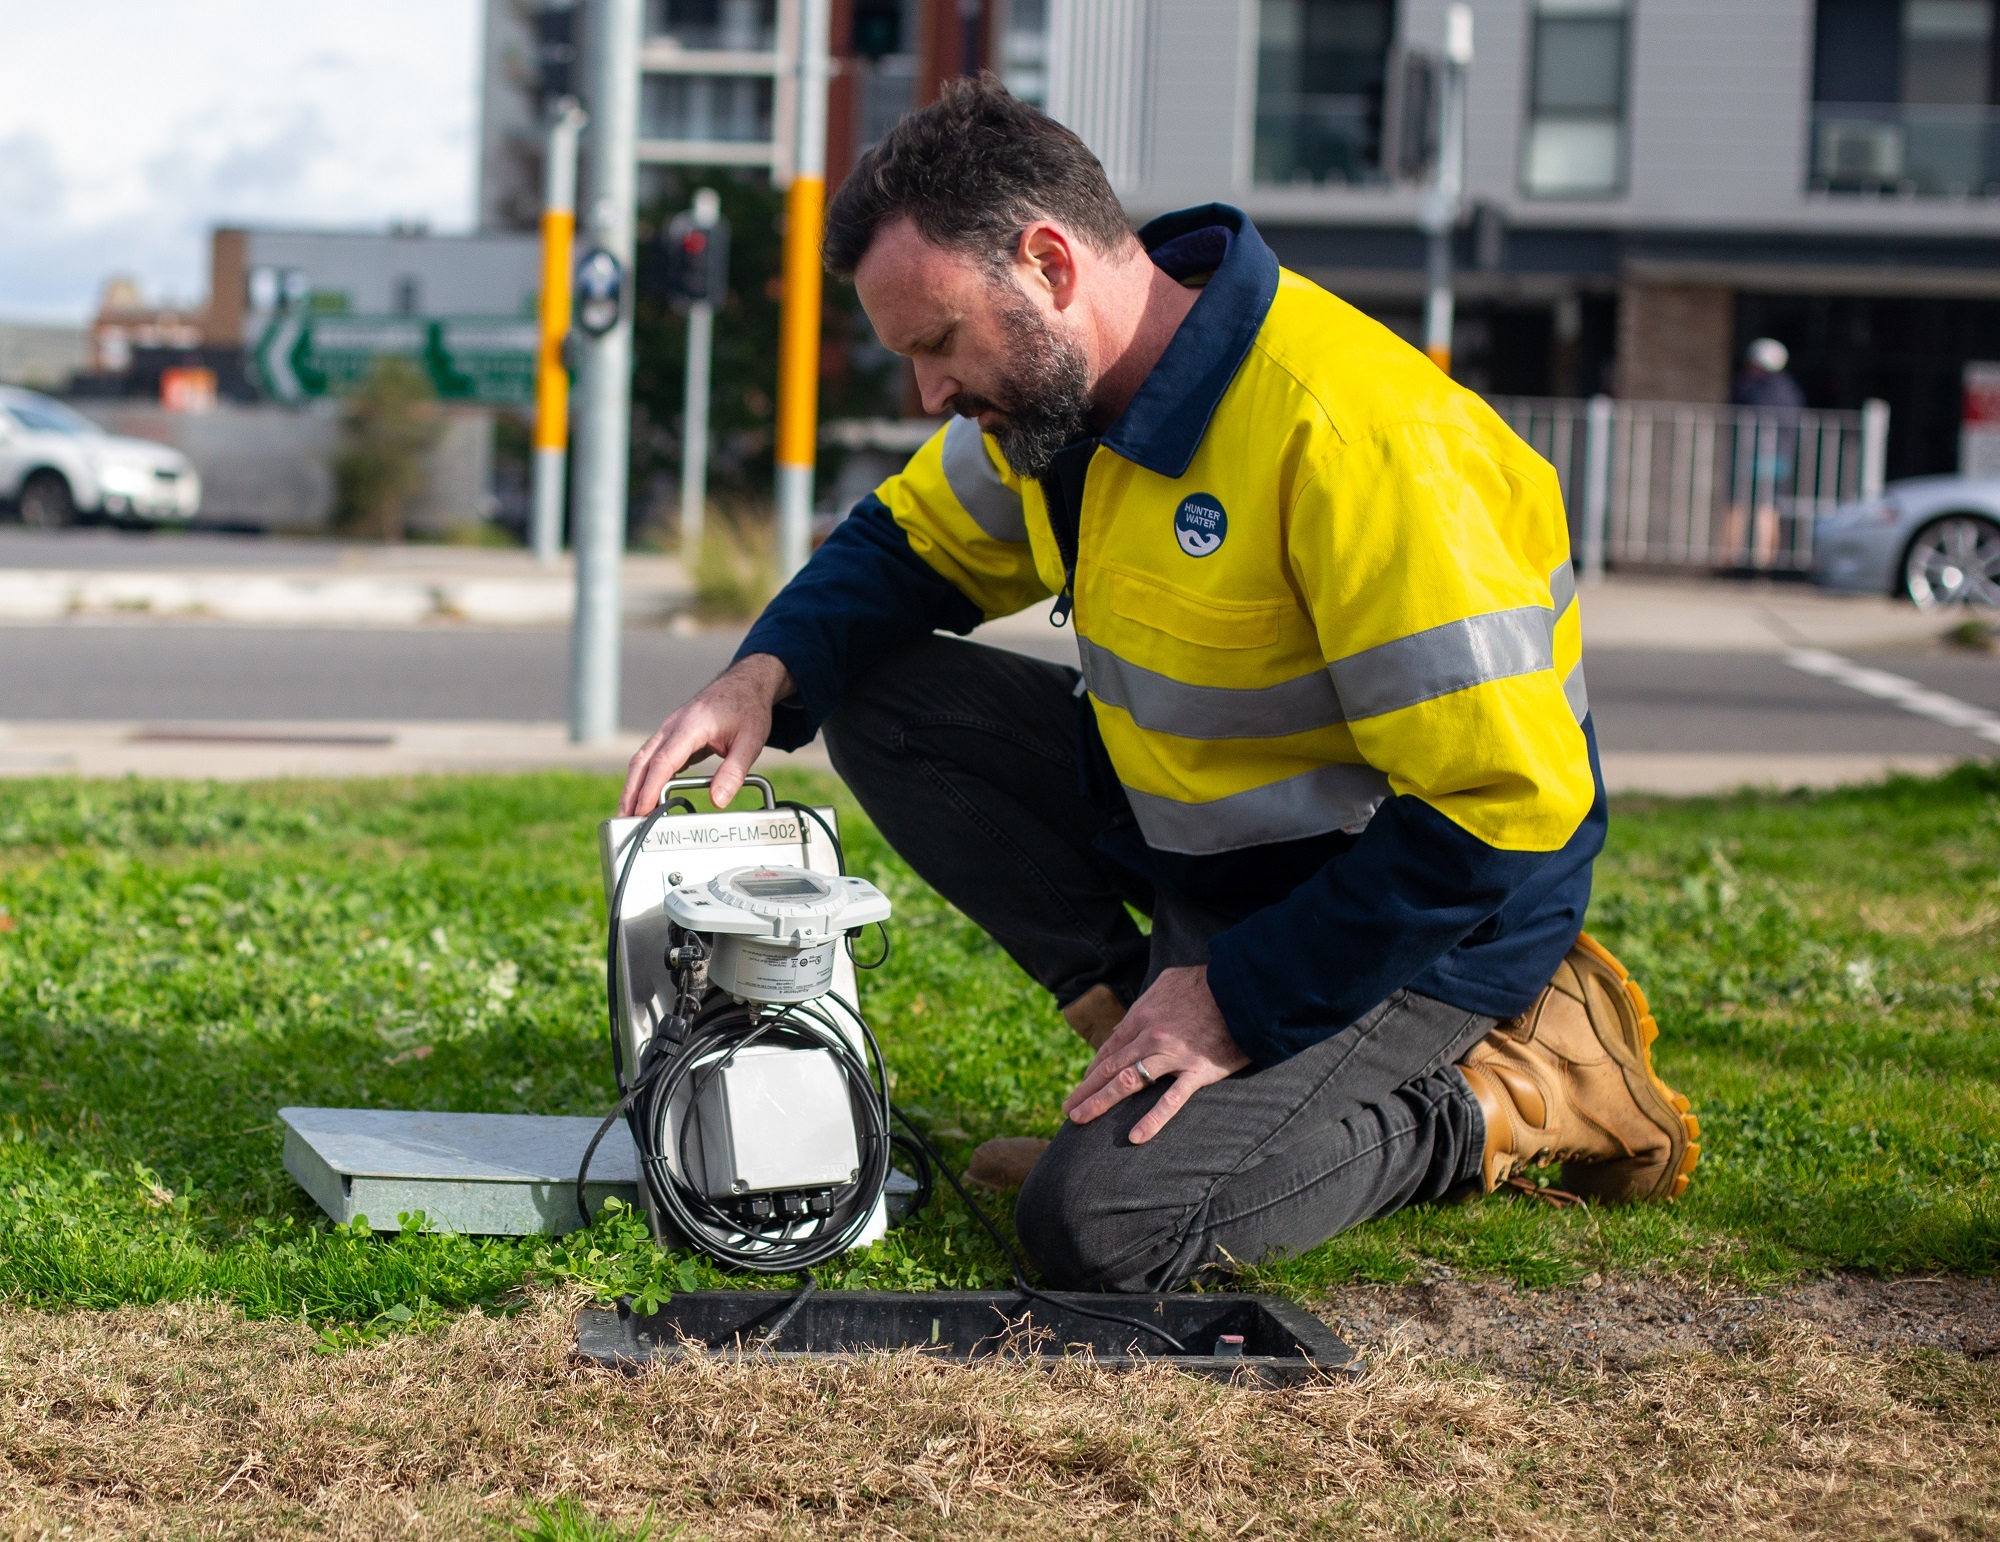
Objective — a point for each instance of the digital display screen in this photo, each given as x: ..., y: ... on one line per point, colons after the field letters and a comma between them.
x: 779, y: 888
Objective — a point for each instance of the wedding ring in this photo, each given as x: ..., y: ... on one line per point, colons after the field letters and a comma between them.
x: 1145, y: 1076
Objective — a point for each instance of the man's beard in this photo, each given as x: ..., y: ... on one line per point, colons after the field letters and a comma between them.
x: 1044, y: 400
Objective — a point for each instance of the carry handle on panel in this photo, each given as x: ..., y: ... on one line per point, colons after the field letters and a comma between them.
x: 753, y: 780
x: 771, y: 806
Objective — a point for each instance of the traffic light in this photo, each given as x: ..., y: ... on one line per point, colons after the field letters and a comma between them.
x: 697, y: 263
x: 878, y: 28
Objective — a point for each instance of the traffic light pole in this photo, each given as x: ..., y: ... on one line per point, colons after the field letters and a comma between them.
x: 551, y: 373
x: 604, y: 375
x: 694, y: 435
x: 798, y: 355
x: 1439, y: 216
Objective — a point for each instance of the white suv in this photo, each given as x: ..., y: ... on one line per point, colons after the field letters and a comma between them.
x: 56, y: 464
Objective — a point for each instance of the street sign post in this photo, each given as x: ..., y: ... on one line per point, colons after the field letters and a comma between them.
x: 1443, y: 202
x: 302, y: 355
x: 604, y: 374
x: 799, y: 319
x: 566, y: 121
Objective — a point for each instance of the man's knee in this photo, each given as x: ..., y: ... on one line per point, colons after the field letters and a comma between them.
x: 1056, y: 1220
x: 1078, y: 1225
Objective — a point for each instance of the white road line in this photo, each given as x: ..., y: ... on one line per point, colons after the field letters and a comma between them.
x: 1904, y: 693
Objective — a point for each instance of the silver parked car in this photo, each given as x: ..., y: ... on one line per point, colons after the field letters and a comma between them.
x: 1935, y: 540
x: 56, y: 464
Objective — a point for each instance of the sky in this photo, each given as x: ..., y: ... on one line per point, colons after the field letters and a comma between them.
x: 129, y: 127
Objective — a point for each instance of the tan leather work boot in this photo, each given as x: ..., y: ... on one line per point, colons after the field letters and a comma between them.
x: 1005, y: 1161
x: 1571, y: 1080
x: 1094, y: 1015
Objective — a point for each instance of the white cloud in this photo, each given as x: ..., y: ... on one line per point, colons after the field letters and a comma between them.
x: 129, y: 127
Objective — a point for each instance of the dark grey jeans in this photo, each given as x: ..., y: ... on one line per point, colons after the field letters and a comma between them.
x: 964, y: 756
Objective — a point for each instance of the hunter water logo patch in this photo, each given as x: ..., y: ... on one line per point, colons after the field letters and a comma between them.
x: 1200, y: 524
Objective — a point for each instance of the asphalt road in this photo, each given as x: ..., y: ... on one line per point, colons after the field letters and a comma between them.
x: 1645, y: 701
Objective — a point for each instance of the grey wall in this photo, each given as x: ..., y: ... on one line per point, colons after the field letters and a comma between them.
x: 1719, y: 103
x: 273, y: 466
x: 494, y: 274
x: 35, y: 354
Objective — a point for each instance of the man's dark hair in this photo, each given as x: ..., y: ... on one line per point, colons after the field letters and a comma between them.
x: 971, y: 171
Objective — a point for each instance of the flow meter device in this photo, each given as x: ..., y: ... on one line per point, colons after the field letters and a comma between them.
x: 756, y: 1095
x: 752, y: 1086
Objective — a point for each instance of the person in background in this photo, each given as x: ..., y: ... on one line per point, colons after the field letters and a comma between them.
x: 1764, y: 469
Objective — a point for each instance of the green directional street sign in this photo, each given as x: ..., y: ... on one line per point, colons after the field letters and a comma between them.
x: 487, y: 359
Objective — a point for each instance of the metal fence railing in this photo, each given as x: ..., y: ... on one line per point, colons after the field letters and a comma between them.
x: 1688, y: 485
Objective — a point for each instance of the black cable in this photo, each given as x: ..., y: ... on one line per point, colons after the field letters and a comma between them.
x: 589, y: 1152
x: 738, y: 1240
x: 881, y: 927
x: 791, y: 1310
x: 839, y: 851
x: 1014, y: 1257
x: 614, y: 929
x: 920, y: 1165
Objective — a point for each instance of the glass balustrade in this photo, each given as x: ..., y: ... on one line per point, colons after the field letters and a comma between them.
x: 1919, y: 151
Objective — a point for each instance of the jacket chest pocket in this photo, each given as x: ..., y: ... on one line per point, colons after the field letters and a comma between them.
x: 1233, y: 624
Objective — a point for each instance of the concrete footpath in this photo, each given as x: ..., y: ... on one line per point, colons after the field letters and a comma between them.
x: 246, y: 751
x: 282, y: 582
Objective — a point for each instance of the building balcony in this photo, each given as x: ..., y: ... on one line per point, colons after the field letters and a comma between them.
x: 730, y: 26
x: 1906, y: 150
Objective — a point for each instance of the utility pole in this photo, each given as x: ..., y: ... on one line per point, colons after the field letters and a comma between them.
x: 604, y: 375
x: 566, y: 120
x: 1443, y: 203
x: 707, y: 216
x: 798, y: 353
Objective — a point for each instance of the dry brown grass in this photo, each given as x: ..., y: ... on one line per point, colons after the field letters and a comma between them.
x: 183, y: 1421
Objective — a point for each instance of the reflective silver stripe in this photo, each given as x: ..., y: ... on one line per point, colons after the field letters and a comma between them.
x: 1562, y: 588
x: 1444, y: 659
x: 1579, y: 697
x: 994, y: 506
x: 1165, y: 705
x: 1326, y: 798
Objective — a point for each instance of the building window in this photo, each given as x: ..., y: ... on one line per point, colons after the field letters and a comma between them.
x: 707, y: 109
x: 736, y: 25
x: 1903, y: 94
x: 1321, y: 69
x: 884, y: 63
x: 1575, y: 144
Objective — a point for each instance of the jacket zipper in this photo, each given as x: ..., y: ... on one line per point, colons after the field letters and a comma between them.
x: 1062, y: 488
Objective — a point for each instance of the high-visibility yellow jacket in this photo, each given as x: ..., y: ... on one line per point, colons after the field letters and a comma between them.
x: 1324, y: 607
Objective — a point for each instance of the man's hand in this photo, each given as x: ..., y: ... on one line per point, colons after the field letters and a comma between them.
x: 730, y: 718
x: 1178, y: 1030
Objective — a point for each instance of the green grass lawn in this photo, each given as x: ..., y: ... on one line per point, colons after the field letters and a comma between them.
x: 179, y: 961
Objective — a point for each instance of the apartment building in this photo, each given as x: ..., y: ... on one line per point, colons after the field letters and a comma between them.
x: 1651, y: 183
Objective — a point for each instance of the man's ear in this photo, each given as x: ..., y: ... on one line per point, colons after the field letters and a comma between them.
x: 1046, y: 258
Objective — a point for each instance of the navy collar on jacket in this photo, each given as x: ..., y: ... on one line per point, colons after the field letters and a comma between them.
x: 1162, y: 426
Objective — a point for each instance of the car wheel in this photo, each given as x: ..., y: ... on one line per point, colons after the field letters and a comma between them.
x: 1954, y: 561
x: 46, y: 501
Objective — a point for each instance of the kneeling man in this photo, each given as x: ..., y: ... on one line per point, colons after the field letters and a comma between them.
x: 1330, y: 731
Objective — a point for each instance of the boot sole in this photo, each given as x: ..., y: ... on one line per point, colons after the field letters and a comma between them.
x: 1667, y: 1108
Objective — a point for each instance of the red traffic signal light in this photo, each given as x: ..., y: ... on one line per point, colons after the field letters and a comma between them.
x: 697, y: 261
